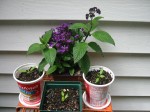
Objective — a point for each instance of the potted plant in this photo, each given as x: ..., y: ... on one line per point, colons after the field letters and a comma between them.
x: 65, y: 48
x: 97, y: 82
x: 29, y: 80
x: 61, y: 96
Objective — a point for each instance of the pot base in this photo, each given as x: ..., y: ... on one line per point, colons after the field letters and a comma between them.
x: 29, y: 104
x: 102, y: 107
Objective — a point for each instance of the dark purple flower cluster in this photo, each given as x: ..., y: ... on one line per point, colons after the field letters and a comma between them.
x: 61, y: 38
x: 92, y: 12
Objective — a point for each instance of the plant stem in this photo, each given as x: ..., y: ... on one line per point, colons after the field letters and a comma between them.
x: 89, y: 30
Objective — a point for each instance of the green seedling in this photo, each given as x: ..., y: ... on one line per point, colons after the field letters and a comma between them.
x: 100, y: 76
x: 64, y: 95
x: 27, y: 71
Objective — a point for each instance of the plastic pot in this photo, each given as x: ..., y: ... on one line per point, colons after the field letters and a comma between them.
x: 61, y: 84
x: 97, y: 95
x: 30, y: 92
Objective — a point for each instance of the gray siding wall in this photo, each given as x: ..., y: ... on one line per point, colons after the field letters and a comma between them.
x: 22, y: 22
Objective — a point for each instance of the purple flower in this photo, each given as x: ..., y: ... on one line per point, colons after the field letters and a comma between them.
x: 76, y: 36
x: 61, y: 39
x: 51, y: 44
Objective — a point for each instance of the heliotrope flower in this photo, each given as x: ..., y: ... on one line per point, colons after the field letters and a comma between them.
x: 61, y: 38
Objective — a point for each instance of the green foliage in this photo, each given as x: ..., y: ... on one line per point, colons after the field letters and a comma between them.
x: 51, y: 69
x: 79, y: 25
x: 79, y: 51
x: 45, y: 38
x: 84, y: 63
x: 36, y: 47
x: 42, y: 64
x: 64, y: 95
x: 103, y: 37
x: 100, y: 76
x: 28, y: 71
x: 94, y: 23
x: 49, y: 55
x: 95, y: 47
x: 71, y: 71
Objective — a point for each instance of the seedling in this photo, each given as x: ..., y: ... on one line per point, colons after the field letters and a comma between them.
x: 27, y: 71
x: 64, y: 95
x: 100, y: 76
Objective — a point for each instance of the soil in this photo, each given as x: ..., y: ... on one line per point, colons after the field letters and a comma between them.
x: 29, y: 76
x: 92, y: 75
x: 53, y: 100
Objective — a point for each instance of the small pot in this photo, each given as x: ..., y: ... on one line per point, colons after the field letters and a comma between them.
x: 97, y: 95
x: 30, y: 92
x: 61, y: 84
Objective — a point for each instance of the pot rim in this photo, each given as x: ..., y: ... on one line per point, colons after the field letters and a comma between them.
x: 98, y: 67
x: 27, y: 65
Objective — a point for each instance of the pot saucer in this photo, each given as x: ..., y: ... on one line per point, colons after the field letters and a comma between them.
x: 29, y: 104
x: 102, y: 107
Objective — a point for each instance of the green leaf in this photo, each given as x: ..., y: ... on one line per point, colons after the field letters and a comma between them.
x: 79, y: 51
x: 71, y: 71
x: 22, y: 71
x: 66, y: 58
x: 46, y: 36
x: 78, y: 25
x: 95, y: 47
x: 66, y: 96
x: 103, y: 36
x: 95, y: 23
x: 65, y: 64
x: 51, y: 69
x: 101, y: 71
x: 97, y: 18
x: 36, y: 47
x: 32, y: 68
x: 42, y: 64
x: 41, y: 40
x: 97, y: 80
x: 84, y: 64
x: 102, y: 76
x: 63, y: 99
x: 62, y: 93
x: 50, y: 55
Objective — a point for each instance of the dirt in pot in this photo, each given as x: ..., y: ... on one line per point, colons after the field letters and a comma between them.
x: 99, y: 77
x: 29, y: 75
x: 58, y: 99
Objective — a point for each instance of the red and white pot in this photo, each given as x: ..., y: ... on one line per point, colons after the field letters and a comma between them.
x: 97, y: 95
x: 30, y: 92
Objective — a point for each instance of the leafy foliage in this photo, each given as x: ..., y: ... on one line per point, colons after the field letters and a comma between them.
x: 100, y: 75
x: 79, y: 51
x: 64, y: 95
x: 65, y: 47
x: 84, y: 63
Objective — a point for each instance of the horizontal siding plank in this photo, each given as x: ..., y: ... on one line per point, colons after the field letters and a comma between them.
x: 129, y: 37
x: 7, y: 109
x: 122, y: 86
x: 8, y: 84
x: 116, y: 10
x: 121, y: 64
x: 8, y: 100
x: 131, y: 103
x: 127, y: 86
x: 119, y: 103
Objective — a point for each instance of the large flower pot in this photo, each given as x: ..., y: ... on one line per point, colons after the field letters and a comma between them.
x: 96, y: 96
x: 49, y: 86
x: 30, y: 92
